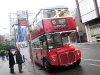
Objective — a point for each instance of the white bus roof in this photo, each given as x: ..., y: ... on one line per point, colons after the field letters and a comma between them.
x: 52, y: 7
x: 55, y: 7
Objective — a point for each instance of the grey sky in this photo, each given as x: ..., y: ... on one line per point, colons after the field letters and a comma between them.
x: 7, y: 6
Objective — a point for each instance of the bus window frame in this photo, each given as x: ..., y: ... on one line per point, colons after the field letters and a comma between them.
x: 53, y: 41
x: 40, y: 47
x: 39, y: 14
x: 56, y: 9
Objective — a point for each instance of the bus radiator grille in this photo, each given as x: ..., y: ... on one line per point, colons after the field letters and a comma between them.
x: 67, y: 58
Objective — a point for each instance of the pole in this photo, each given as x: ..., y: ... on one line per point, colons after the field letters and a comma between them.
x: 79, y: 39
x: 32, y: 52
x: 15, y: 41
x: 69, y: 39
x: 30, y: 46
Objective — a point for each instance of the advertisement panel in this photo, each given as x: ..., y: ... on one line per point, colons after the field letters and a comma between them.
x: 22, y: 17
x: 19, y: 34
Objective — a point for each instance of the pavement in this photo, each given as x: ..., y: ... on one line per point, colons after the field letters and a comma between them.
x: 5, y: 70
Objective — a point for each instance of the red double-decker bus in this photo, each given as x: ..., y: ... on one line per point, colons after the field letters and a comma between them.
x: 50, y: 44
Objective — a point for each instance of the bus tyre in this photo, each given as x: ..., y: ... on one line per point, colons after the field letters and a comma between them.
x: 47, y: 66
x: 77, y: 62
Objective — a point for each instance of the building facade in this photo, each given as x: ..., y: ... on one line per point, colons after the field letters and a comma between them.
x: 75, y: 37
x: 89, y: 15
x: 19, y: 32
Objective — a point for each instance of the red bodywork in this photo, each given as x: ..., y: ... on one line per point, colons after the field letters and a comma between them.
x: 65, y: 55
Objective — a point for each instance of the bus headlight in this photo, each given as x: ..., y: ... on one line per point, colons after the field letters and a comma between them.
x: 53, y: 58
x: 78, y: 53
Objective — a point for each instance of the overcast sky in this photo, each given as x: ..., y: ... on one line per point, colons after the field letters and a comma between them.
x: 7, y: 6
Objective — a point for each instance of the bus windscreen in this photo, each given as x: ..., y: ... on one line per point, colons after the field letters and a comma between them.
x: 54, y: 40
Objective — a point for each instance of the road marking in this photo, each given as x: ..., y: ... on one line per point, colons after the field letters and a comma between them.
x: 85, y: 48
x: 89, y: 59
x: 94, y: 65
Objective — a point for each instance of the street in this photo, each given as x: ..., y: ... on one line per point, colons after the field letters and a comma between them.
x: 90, y: 63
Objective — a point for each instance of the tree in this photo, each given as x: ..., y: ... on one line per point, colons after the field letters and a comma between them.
x: 4, y: 46
x: 1, y: 46
x: 1, y: 38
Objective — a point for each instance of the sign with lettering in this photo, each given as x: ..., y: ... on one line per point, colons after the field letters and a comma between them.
x: 80, y: 33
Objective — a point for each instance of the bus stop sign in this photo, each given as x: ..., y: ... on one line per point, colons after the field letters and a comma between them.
x: 80, y: 33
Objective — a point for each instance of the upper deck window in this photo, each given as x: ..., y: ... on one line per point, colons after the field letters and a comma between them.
x: 53, y: 13
x: 39, y: 16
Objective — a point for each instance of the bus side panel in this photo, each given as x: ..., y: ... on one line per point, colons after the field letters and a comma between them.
x: 44, y: 54
x: 71, y: 24
x: 36, y: 54
x: 77, y: 56
x: 49, y: 28
x: 39, y: 54
x: 37, y: 30
x: 52, y: 53
x: 47, y: 25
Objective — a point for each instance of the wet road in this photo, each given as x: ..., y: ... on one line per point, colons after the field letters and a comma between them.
x: 90, y: 64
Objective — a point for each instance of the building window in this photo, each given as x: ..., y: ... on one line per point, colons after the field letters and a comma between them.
x: 91, y: 2
x: 86, y: 6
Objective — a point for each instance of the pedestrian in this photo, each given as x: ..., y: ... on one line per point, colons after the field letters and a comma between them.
x: 3, y: 56
x: 19, y: 60
x: 11, y: 61
x: 6, y: 54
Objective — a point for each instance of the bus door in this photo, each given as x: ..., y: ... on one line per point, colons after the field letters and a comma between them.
x: 35, y: 46
x: 43, y: 48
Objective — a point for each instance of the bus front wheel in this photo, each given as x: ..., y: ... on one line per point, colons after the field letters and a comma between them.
x: 77, y: 62
x: 47, y: 66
